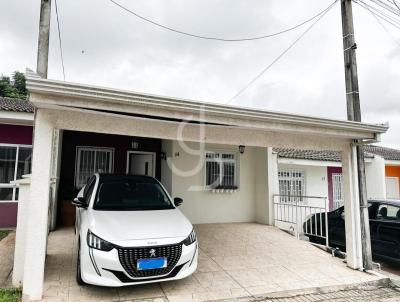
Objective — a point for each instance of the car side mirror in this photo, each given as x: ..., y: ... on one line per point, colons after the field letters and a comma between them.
x: 178, y: 201
x: 80, y: 202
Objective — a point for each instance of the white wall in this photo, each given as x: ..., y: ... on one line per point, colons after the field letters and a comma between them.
x: 375, y: 178
x: 204, y: 206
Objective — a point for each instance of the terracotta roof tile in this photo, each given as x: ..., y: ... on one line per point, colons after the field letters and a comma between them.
x: 15, y: 105
x: 308, y: 154
x: 386, y: 153
x: 329, y: 155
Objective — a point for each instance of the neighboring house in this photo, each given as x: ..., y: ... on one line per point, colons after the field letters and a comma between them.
x: 319, y: 174
x: 16, y: 118
x: 392, y: 169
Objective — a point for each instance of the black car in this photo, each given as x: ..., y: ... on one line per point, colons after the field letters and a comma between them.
x: 384, y: 221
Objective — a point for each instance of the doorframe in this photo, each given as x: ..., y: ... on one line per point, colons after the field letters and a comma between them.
x: 153, y: 154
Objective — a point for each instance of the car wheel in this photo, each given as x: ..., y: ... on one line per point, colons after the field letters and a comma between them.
x: 78, y: 266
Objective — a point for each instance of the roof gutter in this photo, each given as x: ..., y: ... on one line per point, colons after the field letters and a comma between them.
x: 41, y: 86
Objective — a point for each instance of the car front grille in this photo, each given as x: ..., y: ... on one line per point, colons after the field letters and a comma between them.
x: 125, y: 279
x: 128, y: 258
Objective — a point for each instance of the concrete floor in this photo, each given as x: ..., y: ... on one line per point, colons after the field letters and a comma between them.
x: 235, y: 260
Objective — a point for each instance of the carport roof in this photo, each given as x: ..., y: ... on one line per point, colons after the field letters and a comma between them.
x: 45, y: 93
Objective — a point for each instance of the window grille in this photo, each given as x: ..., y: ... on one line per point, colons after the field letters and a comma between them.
x: 337, y: 186
x: 92, y: 160
x: 15, y: 161
x: 291, y: 185
x: 221, y: 170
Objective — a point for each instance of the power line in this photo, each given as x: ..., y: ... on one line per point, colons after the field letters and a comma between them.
x: 395, y: 3
x: 392, y: 17
x: 392, y: 20
x: 385, y: 9
x: 386, y: 6
x: 383, y: 27
x: 375, y: 13
x: 218, y: 38
x: 59, y: 39
x: 278, y: 57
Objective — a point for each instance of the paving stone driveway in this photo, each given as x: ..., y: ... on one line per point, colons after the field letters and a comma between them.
x: 6, y: 259
x: 369, y: 294
x: 236, y: 260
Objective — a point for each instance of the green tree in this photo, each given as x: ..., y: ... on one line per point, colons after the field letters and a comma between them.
x: 19, y: 82
x: 15, y: 88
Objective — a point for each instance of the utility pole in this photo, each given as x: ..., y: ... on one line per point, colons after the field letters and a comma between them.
x: 354, y: 114
x: 44, y: 36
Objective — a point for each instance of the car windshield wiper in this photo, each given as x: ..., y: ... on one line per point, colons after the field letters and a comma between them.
x: 134, y: 208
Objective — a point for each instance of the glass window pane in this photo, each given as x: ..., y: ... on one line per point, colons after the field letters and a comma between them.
x: 292, y: 184
x: 6, y: 193
x: 24, y: 161
x: 212, y: 173
x: 7, y: 163
x: 229, y: 174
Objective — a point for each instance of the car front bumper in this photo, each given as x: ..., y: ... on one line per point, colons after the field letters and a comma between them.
x: 105, y: 268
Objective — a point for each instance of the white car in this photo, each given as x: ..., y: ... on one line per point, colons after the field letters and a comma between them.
x: 129, y: 232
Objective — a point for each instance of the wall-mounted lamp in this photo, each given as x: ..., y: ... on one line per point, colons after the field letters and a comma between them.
x: 241, y: 149
x: 163, y: 155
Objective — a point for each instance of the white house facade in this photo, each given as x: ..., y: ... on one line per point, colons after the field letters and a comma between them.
x: 319, y: 174
x: 218, y: 158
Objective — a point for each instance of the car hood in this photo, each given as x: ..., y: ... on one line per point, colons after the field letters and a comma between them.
x: 120, y: 226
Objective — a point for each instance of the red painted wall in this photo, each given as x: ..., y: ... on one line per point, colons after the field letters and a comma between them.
x: 15, y: 134
x: 121, y: 145
x: 8, y: 214
x: 332, y: 170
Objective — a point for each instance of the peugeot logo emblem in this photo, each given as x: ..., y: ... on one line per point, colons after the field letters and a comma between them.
x: 152, y: 253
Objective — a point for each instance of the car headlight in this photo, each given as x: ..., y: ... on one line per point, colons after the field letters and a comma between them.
x: 190, y: 239
x: 97, y: 243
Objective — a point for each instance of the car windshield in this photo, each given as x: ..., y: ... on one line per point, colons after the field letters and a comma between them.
x: 131, y: 194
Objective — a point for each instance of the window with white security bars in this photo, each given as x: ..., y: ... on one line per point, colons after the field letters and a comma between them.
x: 92, y: 160
x: 221, y: 170
x: 337, y: 186
x: 291, y: 185
x: 15, y: 161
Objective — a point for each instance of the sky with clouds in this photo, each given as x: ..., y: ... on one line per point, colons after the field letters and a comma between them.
x: 104, y: 45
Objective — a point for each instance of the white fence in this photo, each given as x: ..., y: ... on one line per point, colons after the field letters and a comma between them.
x: 304, y: 216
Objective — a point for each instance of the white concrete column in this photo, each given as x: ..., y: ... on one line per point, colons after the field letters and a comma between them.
x: 19, y: 251
x: 352, y: 208
x: 38, y: 209
x: 266, y: 179
x: 273, y: 183
x: 261, y: 185
x: 55, y: 176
